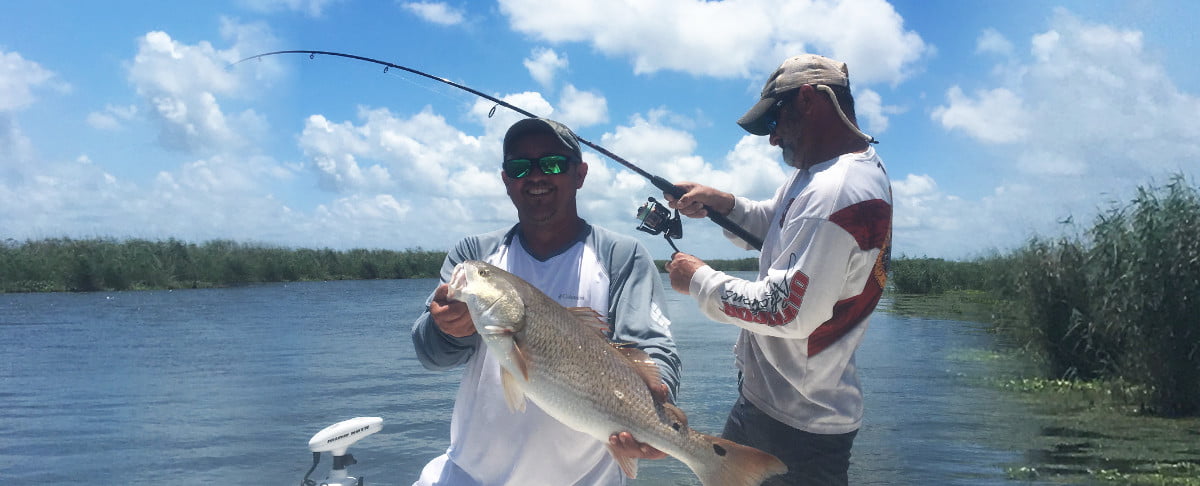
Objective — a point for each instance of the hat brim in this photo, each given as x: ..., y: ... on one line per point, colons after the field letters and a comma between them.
x: 755, y: 119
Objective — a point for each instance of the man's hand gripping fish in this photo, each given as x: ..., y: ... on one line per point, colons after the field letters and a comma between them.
x: 558, y: 358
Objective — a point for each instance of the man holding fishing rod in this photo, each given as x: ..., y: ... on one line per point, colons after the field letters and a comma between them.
x: 576, y: 264
x: 826, y: 245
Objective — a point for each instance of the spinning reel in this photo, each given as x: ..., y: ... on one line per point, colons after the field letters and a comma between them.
x: 657, y: 219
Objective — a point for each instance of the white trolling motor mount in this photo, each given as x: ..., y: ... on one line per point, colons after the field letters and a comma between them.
x: 335, y: 439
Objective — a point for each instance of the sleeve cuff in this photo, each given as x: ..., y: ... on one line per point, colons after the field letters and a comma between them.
x: 702, y: 275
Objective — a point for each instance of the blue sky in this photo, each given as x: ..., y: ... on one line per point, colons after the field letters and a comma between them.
x: 997, y: 120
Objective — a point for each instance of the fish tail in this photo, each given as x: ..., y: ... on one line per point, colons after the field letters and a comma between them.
x: 733, y: 464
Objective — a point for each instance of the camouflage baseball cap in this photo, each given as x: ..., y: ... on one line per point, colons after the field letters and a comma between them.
x: 791, y: 75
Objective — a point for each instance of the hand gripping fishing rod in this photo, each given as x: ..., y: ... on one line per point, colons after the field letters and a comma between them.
x: 659, y: 182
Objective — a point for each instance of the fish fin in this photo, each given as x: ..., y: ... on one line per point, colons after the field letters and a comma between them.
x: 589, y: 318
x: 585, y: 312
x: 514, y: 393
x: 645, y: 367
x: 629, y: 465
x: 733, y: 464
x: 521, y: 359
x: 675, y: 417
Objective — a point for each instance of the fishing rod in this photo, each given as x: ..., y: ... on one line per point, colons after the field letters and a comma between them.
x: 662, y: 184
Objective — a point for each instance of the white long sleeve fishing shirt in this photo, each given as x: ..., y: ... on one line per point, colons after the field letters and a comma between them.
x: 826, y: 247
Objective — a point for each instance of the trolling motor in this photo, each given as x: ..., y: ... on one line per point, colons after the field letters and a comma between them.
x: 656, y: 218
x: 335, y: 439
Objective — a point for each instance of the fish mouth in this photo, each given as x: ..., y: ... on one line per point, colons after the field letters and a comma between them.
x: 458, y: 281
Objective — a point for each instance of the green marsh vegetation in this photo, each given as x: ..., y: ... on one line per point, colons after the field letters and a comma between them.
x: 54, y: 265
x: 736, y: 265
x: 1111, y: 319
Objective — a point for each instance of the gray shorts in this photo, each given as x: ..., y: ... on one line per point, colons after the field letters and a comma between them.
x: 812, y: 459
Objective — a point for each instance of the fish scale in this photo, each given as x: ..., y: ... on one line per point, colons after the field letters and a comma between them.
x: 569, y: 354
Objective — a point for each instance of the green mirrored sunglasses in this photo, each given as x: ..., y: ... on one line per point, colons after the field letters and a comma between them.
x: 550, y: 165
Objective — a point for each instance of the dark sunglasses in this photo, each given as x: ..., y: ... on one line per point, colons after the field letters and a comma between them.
x: 550, y: 165
x: 772, y: 115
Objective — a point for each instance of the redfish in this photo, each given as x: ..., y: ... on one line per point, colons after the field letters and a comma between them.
x: 558, y: 358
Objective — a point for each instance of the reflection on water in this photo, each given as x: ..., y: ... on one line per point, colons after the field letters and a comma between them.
x: 1076, y: 440
x: 194, y: 386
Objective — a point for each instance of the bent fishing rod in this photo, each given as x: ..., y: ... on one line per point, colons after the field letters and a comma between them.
x: 662, y: 184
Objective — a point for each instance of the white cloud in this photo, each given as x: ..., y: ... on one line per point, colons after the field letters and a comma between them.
x: 112, y: 118
x: 993, y: 42
x: 497, y: 121
x: 923, y: 218
x: 102, y: 121
x: 868, y: 35
x: 181, y: 84
x: 312, y: 8
x: 544, y: 64
x: 208, y: 199
x: 754, y: 35
x: 227, y: 194
x: 751, y: 169
x: 65, y: 195
x: 921, y: 206
x: 225, y: 174
x: 992, y: 116
x: 869, y: 108
x: 18, y: 78
x: 335, y: 149
x: 224, y: 196
x: 220, y: 197
x: 658, y: 146
x: 395, y: 173
x: 16, y: 150
x: 1090, y: 100
x: 1050, y: 163
x: 436, y: 12
x: 417, y: 157
x: 928, y: 221
x: 578, y: 109
x: 369, y: 211
x: 1088, y: 114
x: 434, y: 175
x: 384, y: 221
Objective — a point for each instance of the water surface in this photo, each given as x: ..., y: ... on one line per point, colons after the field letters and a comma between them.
x: 195, y: 386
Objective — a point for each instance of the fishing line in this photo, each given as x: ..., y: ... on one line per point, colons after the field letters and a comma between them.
x: 662, y: 184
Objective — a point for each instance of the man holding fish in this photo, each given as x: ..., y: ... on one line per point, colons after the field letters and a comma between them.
x: 497, y: 437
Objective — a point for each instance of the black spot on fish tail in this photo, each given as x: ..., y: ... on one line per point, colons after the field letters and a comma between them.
x: 719, y: 450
